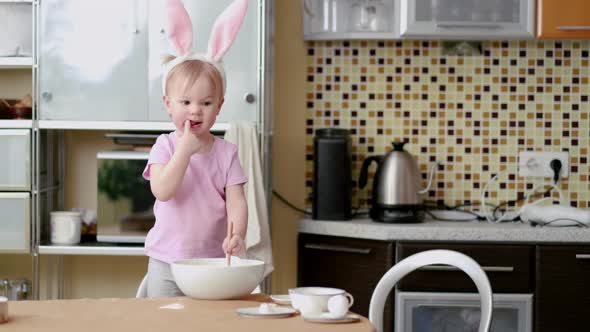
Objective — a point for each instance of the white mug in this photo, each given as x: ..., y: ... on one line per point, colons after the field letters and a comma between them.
x: 65, y: 227
x: 314, y: 300
x: 338, y: 305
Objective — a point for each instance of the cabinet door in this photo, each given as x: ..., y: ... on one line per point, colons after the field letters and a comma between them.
x: 467, y: 19
x: 562, y: 296
x: 241, y: 62
x: 350, y: 19
x: 354, y: 265
x: 557, y: 19
x: 16, y: 35
x: 15, y: 171
x: 93, y: 60
x: 14, y: 222
x: 509, y: 268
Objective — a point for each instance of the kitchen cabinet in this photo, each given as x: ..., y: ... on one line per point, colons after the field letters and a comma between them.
x: 354, y: 265
x: 91, y: 71
x: 16, y: 52
x: 15, y: 221
x: 241, y: 62
x: 562, y: 20
x: 425, y: 295
x: 16, y: 36
x: 15, y: 172
x: 467, y: 19
x: 562, y: 297
x: 350, y: 19
x: 510, y: 268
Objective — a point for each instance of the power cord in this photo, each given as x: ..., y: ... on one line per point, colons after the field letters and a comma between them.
x: 556, y: 166
x: 286, y: 202
x: 355, y: 210
x: 443, y: 206
x: 548, y: 223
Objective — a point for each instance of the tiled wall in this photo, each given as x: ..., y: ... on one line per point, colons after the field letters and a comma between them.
x: 473, y: 113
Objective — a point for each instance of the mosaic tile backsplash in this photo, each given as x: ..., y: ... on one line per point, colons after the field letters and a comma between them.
x: 472, y: 113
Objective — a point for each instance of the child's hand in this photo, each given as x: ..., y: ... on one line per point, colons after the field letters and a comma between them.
x: 188, y: 143
x: 235, y: 246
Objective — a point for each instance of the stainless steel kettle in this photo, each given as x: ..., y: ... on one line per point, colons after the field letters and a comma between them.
x: 396, y: 187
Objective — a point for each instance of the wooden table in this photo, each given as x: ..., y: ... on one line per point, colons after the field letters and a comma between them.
x: 113, y: 315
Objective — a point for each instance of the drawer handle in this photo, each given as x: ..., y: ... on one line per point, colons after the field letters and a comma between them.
x: 582, y: 256
x: 469, y: 26
x: 328, y: 247
x: 574, y: 28
x: 452, y: 268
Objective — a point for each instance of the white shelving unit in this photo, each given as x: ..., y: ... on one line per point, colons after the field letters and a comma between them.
x: 48, y: 153
x: 117, y: 125
x: 16, y: 62
x: 94, y: 249
x: 16, y: 124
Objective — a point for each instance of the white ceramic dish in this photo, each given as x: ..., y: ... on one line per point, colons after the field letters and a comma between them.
x: 277, y: 312
x: 283, y: 299
x: 212, y: 279
x: 328, y: 318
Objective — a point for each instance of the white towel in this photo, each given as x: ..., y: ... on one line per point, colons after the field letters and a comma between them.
x: 258, y: 246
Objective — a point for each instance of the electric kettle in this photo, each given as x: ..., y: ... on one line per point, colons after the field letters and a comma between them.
x: 396, y: 187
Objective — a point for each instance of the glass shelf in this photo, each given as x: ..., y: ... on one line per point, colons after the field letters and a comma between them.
x: 93, y: 249
x: 15, y: 124
x: 118, y: 125
x: 16, y: 62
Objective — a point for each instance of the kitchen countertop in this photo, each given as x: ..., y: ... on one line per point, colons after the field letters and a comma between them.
x: 460, y: 231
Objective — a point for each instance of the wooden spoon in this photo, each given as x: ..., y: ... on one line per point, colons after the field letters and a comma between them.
x: 230, y: 231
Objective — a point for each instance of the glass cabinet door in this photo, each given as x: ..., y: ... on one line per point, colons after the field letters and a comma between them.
x: 15, y: 171
x: 14, y: 222
x: 241, y: 62
x: 467, y: 19
x: 350, y: 19
x: 93, y: 60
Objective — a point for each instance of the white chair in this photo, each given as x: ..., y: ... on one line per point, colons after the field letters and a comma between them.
x: 430, y: 257
x: 142, y: 289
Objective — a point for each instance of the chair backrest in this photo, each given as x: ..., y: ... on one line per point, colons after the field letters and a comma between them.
x: 430, y: 257
x: 142, y: 289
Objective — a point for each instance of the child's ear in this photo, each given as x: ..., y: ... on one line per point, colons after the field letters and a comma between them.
x: 166, y: 103
x: 220, y: 104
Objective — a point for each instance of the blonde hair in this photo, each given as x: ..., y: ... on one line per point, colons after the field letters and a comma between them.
x: 190, y: 70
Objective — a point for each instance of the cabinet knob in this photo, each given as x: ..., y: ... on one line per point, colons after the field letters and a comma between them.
x: 250, y: 98
x: 136, y: 31
x: 162, y: 31
x: 47, y: 96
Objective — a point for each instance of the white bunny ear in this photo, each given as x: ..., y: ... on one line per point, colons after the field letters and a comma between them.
x: 180, y: 28
x: 225, y: 29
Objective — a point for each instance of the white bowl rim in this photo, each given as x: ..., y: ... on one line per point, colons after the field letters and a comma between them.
x: 243, y: 262
x: 328, y: 291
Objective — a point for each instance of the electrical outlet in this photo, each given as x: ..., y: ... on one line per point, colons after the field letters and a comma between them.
x: 538, y: 164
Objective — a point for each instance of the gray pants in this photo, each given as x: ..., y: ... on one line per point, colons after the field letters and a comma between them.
x: 160, y: 282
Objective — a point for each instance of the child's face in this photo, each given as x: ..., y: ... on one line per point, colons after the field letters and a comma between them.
x: 198, y: 104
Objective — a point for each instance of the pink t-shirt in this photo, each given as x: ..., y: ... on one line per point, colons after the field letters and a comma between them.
x: 193, y: 223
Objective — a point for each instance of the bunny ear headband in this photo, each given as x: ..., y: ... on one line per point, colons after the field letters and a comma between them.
x: 223, y: 33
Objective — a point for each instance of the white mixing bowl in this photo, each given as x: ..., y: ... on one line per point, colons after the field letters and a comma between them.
x: 212, y: 279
